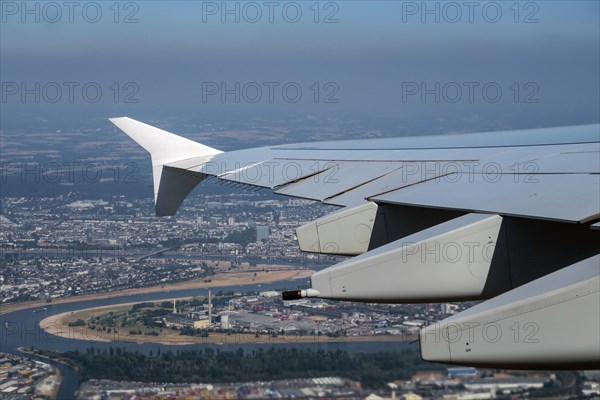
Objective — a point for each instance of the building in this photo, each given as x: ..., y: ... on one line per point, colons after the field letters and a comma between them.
x: 447, y: 308
x: 428, y: 376
x: 262, y: 232
x: 201, y: 324
x: 506, y: 384
x: 462, y: 372
x: 225, y: 321
x: 89, y: 234
x: 182, y: 321
x: 591, y: 388
x: 411, y: 396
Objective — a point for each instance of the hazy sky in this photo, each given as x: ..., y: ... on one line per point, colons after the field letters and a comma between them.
x: 375, y: 58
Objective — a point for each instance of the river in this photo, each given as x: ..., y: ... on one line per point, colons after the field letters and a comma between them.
x: 21, y: 329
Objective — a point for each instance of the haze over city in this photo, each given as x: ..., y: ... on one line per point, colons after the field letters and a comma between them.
x: 100, y: 298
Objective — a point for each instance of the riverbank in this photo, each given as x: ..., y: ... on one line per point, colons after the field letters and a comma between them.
x: 61, y: 325
x: 245, y: 275
x: 27, y: 321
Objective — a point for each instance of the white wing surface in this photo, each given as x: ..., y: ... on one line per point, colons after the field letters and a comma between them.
x: 509, y: 216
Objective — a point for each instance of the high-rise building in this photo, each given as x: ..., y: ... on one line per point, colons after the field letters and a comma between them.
x: 262, y: 232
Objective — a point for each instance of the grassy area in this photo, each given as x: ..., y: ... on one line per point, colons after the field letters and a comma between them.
x: 136, y: 319
x: 135, y: 322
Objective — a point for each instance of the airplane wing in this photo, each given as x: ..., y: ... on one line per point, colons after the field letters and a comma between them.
x: 509, y: 217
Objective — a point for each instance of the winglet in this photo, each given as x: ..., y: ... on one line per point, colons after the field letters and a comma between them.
x: 165, y: 147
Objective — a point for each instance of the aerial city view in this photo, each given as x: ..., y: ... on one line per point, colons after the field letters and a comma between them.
x: 307, y: 200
